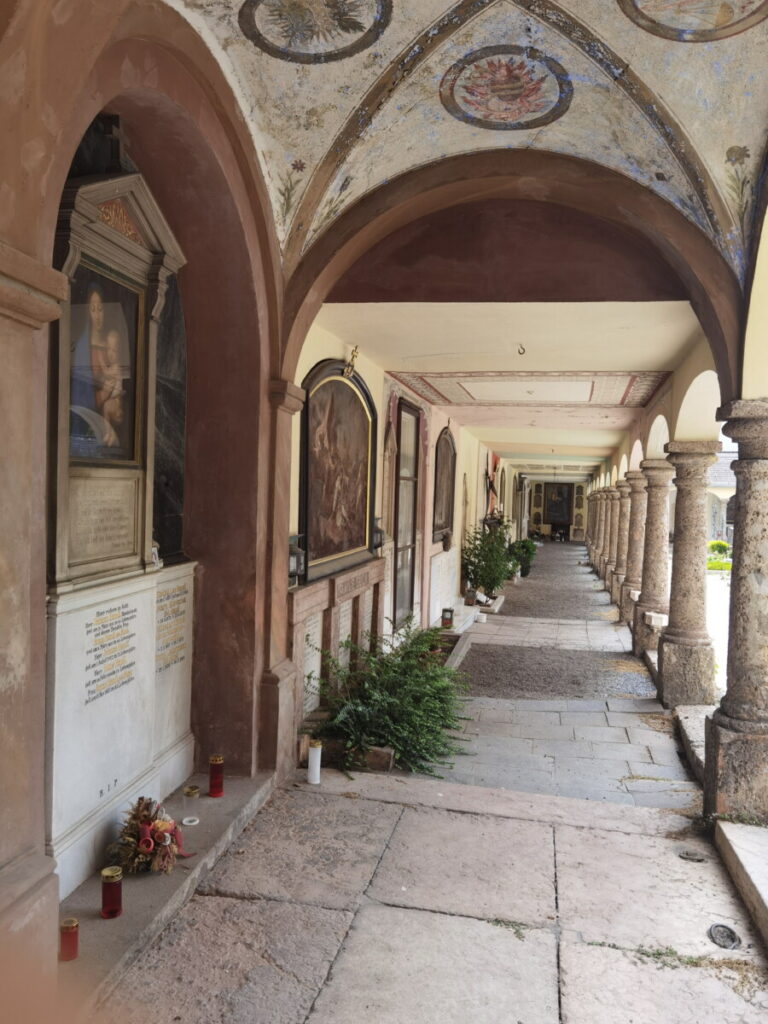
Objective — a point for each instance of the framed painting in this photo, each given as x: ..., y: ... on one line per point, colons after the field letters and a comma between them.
x: 337, y: 469
x: 105, y: 318
x: 558, y: 504
x: 445, y: 476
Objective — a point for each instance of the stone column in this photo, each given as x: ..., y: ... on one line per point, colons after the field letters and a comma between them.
x: 600, y: 537
x: 281, y: 693
x: 686, y: 654
x: 620, y: 569
x: 736, y: 763
x: 592, y: 520
x: 654, y: 597
x: 612, y: 536
x: 30, y: 293
x: 633, y: 579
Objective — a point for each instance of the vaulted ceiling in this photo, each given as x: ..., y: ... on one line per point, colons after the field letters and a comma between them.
x: 540, y: 327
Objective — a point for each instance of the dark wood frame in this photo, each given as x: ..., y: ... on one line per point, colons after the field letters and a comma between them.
x: 547, y: 491
x: 320, y: 372
x: 414, y: 410
x: 439, y: 530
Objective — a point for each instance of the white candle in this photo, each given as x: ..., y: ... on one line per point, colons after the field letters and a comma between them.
x: 313, y: 762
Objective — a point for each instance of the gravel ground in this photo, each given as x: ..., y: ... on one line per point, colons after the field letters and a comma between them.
x: 559, y: 588
x: 536, y: 672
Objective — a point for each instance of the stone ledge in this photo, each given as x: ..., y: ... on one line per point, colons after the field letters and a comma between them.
x: 108, y: 948
x: 744, y: 849
x: 690, y: 720
x: 651, y: 659
x: 656, y: 620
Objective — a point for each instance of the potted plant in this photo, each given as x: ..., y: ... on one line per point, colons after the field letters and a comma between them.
x: 392, y: 696
x: 524, y: 552
x: 485, y: 560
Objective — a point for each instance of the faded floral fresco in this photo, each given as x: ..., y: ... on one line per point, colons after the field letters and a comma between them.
x: 696, y: 20
x: 309, y: 31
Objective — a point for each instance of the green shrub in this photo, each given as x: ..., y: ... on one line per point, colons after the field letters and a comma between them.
x: 394, y: 693
x: 718, y: 565
x: 718, y: 547
x: 485, y: 560
x: 524, y: 551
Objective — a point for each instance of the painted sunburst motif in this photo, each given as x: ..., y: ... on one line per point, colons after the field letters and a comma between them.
x: 314, y: 31
x: 506, y: 87
x: 695, y: 20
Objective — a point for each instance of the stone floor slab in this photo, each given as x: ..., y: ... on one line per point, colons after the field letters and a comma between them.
x: 620, y: 751
x: 674, y: 901
x: 308, y: 850
x: 597, y: 734
x: 467, y: 864
x: 226, y: 961
x: 411, y: 967
x: 610, y: 986
x: 584, y: 718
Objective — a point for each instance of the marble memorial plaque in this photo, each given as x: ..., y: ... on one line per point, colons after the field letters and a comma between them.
x: 102, y: 673
x: 312, y: 661
x: 173, y: 653
x: 102, y: 518
x: 345, y: 630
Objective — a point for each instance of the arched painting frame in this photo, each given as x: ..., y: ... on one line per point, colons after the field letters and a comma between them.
x: 338, y: 460
x: 445, y: 485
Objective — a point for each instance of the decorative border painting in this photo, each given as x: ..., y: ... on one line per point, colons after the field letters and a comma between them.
x: 695, y: 21
x: 338, y: 459
x: 506, y: 88
x: 104, y: 319
x: 314, y: 31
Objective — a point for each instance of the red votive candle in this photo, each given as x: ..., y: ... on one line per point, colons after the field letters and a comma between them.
x: 69, y: 935
x: 216, y: 775
x: 111, y: 892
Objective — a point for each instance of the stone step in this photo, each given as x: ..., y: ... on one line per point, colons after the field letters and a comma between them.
x: 744, y: 849
x: 690, y: 720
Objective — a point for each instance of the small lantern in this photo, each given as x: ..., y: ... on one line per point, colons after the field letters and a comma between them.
x: 378, y: 535
x: 446, y: 619
x: 297, y: 561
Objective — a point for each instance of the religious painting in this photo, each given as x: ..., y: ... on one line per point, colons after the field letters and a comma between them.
x: 506, y: 88
x: 445, y: 474
x: 104, y: 336
x: 314, y: 31
x: 558, y: 500
x: 337, y: 465
x: 695, y: 21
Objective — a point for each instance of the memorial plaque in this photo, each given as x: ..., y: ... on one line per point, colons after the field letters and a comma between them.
x: 366, y: 613
x: 312, y: 662
x: 345, y: 630
x: 102, y: 518
x: 173, y: 654
x: 101, y: 642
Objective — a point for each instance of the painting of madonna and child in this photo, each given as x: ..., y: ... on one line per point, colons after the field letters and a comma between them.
x: 104, y: 317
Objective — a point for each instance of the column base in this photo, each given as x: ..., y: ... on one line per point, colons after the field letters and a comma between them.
x: 279, y: 704
x: 735, y: 772
x: 603, y: 566
x: 686, y: 673
x: 608, y: 574
x: 29, y: 914
x: 617, y: 579
x: 626, y: 604
x: 646, y: 635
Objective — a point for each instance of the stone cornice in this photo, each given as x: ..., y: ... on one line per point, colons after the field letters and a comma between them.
x: 30, y: 292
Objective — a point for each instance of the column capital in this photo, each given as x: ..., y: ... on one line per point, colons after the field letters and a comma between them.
x: 691, y: 460
x: 657, y: 472
x: 287, y: 396
x: 623, y: 487
x: 748, y: 425
x: 636, y: 480
x: 692, y: 448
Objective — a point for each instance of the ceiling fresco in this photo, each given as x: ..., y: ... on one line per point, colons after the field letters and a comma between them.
x: 343, y: 95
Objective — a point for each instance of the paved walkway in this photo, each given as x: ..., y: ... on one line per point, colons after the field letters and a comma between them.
x: 560, y: 705
x: 409, y: 900
x: 414, y: 901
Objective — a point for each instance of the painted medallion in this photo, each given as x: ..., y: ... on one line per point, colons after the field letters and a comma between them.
x: 695, y: 21
x: 314, y: 31
x: 507, y: 88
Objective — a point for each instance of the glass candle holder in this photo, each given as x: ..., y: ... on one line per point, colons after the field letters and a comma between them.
x: 216, y: 775
x: 111, y: 892
x: 190, y: 803
x: 69, y: 938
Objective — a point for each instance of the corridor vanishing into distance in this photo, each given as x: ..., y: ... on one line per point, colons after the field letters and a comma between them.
x: 557, y: 702
x: 510, y: 889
